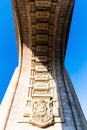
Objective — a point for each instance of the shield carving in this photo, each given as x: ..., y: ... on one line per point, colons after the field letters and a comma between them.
x: 41, y: 113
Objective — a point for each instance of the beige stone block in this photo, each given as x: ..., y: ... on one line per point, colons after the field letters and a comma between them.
x: 43, y: 3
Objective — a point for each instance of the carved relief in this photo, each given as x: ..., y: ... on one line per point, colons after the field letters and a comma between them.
x: 41, y: 113
x: 43, y: 106
x: 40, y: 92
x: 41, y: 85
x: 42, y: 37
x: 41, y: 48
x: 42, y: 26
x: 41, y: 59
x: 43, y: 3
x: 41, y: 68
x: 42, y: 14
x: 41, y: 77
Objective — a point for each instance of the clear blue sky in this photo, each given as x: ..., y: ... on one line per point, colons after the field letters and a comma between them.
x: 76, y: 56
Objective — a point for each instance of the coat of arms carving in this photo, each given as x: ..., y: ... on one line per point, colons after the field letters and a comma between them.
x: 41, y: 113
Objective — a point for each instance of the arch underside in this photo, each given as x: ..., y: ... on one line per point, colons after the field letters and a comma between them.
x: 58, y: 21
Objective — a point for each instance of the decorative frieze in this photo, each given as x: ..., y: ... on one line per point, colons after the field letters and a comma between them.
x: 41, y: 85
x: 42, y: 26
x: 44, y: 104
x: 41, y: 77
x: 43, y: 14
x: 43, y: 3
x: 41, y: 48
x: 41, y: 59
x: 41, y: 68
x: 42, y: 38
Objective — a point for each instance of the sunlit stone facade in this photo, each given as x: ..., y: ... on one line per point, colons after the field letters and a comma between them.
x: 40, y: 94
